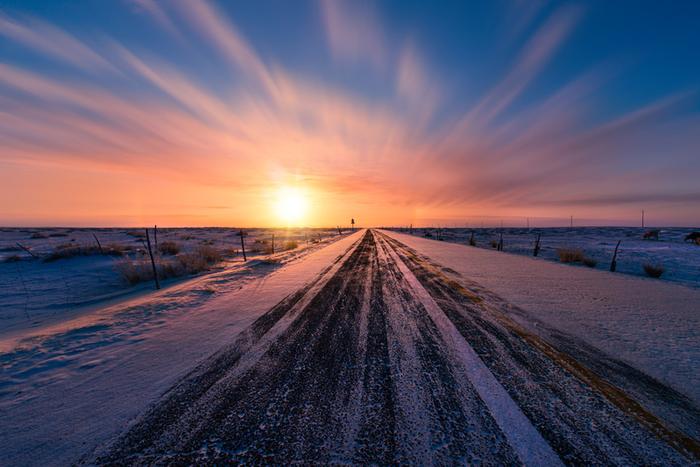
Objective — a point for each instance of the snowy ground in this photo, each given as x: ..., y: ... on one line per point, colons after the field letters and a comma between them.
x: 680, y: 259
x: 34, y: 291
x: 379, y: 348
x: 68, y: 386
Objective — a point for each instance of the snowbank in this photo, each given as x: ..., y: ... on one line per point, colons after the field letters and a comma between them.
x: 650, y: 324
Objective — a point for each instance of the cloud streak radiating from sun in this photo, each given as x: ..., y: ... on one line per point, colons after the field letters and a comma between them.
x: 130, y: 134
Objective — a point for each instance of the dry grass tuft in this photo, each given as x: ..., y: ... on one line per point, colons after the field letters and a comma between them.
x: 653, y: 270
x: 37, y: 235
x: 68, y: 250
x: 290, y: 244
x: 590, y: 262
x: 570, y: 255
x: 169, y: 248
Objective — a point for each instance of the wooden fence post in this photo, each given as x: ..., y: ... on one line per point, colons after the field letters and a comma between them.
x: 242, y: 234
x: 273, y: 244
x: 613, y: 263
x: 98, y: 243
x: 27, y: 250
x: 155, y: 236
x: 537, y: 246
x: 153, y: 261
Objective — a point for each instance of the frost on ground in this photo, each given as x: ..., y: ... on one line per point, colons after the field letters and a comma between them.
x: 75, y: 381
x: 67, y: 275
x: 377, y: 349
x: 680, y: 259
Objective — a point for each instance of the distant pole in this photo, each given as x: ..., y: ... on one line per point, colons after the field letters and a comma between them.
x: 642, y: 218
x: 27, y: 250
x: 500, y: 243
x: 153, y: 261
x: 155, y: 235
x: 528, y: 223
x: 572, y: 222
x: 613, y: 263
x: 98, y: 242
x: 352, y: 223
x: 242, y: 234
x: 273, y: 244
x: 536, y: 251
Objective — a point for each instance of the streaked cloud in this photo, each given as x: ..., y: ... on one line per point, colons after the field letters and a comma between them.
x: 391, y: 157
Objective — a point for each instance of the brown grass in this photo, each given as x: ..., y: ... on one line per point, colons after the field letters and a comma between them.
x: 168, y: 248
x: 570, y: 255
x: 653, y: 270
x: 290, y: 244
x: 68, y: 250
x: 590, y: 262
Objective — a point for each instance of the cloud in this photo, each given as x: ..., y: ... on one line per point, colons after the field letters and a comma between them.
x: 401, y: 154
x: 354, y: 35
x: 53, y: 42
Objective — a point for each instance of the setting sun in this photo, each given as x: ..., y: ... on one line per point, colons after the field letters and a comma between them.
x: 291, y: 205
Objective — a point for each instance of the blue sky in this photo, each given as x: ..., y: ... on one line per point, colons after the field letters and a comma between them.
x: 399, y: 111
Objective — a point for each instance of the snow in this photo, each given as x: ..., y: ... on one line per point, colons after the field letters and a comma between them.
x: 652, y: 325
x: 680, y: 259
x: 70, y: 385
x: 522, y: 436
x: 34, y: 292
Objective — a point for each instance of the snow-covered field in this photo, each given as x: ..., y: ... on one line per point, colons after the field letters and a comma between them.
x: 34, y: 291
x: 680, y: 259
x: 375, y: 347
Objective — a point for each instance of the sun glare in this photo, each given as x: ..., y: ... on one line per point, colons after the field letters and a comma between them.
x: 291, y: 205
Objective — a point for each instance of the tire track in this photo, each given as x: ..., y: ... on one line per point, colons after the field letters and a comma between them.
x: 581, y: 421
x: 380, y: 360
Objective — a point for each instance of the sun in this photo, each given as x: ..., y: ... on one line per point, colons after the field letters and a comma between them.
x: 291, y: 205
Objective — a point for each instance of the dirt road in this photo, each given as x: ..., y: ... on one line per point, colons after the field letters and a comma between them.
x: 388, y: 358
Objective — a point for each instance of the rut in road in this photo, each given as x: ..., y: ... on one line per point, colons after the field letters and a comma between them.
x: 355, y: 368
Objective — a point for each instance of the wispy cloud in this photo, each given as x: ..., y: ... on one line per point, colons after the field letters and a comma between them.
x: 271, y: 125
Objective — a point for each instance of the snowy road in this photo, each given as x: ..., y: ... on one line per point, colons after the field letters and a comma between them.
x: 387, y: 358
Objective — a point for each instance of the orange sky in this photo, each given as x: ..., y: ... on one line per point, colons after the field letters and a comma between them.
x: 119, y: 135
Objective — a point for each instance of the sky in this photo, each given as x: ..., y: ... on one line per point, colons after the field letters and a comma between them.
x: 310, y: 113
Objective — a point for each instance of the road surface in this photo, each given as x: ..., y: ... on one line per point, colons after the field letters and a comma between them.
x: 387, y: 358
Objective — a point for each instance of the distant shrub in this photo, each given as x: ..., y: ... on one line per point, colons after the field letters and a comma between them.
x: 58, y: 234
x: 493, y: 243
x: 653, y: 270
x: 67, y: 250
x: 169, y: 248
x: 570, y: 255
x: 590, y: 262
x: 200, y: 259
x: 133, y: 271
x: 136, y: 234
x: 290, y: 244
x: 37, y: 235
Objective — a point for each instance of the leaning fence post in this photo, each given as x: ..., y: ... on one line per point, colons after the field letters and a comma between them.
x: 242, y: 234
x: 27, y: 250
x: 98, y: 243
x: 537, y: 246
x: 153, y: 261
x: 273, y: 244
x: 155, y: 236
x: 613, y: 263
